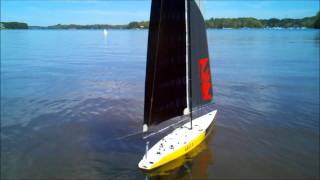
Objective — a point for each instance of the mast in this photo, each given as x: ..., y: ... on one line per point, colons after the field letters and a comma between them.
x: 188, y: 109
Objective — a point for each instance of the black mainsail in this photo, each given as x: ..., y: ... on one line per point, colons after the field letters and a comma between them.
x: 165, y: 86
x: 178, y: 69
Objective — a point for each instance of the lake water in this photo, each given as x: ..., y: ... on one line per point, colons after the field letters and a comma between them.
x: 67, y: 95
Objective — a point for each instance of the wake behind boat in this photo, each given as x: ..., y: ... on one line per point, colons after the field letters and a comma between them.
x: 178, y: 79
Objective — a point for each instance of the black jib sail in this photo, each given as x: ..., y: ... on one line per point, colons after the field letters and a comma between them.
x: 165, y: 86
x: 176, y: 61
x: 201, y: 85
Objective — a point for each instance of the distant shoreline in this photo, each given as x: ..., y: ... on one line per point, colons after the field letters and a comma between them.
x: 145, y: 29
x: 312, y: 22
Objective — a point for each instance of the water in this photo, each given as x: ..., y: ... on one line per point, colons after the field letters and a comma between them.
x: 66, y: 95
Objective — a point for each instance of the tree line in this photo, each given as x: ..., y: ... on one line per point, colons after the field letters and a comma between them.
x: 217, y: 23
x: 249, y: 22
x: 13, y: 25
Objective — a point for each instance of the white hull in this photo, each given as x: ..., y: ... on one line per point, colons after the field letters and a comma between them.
x: 176, y: 144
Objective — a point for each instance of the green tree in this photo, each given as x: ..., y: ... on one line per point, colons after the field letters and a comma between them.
x: 14, y: 25
x: 317, y: 21
x: 135, y: 24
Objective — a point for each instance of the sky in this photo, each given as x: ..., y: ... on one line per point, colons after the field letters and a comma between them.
x: 50, y: 12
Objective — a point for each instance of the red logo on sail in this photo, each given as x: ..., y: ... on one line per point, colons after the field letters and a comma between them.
x: 205, y: 84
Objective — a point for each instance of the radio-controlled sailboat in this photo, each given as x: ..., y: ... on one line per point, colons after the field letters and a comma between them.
x: 178, y: 79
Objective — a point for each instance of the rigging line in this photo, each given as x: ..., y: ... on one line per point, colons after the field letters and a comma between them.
x: 163, y: 129
x: 155, y: 63
x: 152, y: 133
x: 128, y: 135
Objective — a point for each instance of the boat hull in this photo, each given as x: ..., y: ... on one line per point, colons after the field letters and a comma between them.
x: 178, y: 143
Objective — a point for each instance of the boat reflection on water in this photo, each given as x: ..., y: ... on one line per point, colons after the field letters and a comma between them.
x: 192, y: 165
